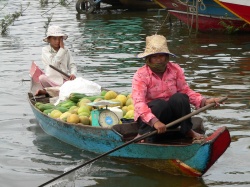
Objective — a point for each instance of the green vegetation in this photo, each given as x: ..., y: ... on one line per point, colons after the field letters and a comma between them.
x: 229, y: 27
x: 43, y: 3
x: 47, y: 23
x: 10, y: 19
x: 63, y: 2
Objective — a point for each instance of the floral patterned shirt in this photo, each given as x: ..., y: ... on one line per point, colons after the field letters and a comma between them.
x: 147, y: 86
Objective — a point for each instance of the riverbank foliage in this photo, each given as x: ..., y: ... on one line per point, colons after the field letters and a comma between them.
x: 9, y: 19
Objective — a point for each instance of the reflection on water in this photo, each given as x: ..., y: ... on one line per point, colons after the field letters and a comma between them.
x: 105, y: 172
x: 105, y: 45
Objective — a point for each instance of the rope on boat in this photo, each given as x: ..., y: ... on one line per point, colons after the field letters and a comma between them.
x: 194, y: 11
x: 202, y: 5
x: 163, y: 23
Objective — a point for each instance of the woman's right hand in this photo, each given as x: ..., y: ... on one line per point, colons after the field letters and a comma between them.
x: 160, y: 127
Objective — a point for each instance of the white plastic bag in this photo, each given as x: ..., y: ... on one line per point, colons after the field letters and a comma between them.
x: 79, y: 85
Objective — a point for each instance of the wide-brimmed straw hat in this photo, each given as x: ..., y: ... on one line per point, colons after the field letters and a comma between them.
x: 155, y: 44
x: 55, y: 31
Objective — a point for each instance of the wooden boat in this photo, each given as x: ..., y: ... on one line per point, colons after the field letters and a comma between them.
x: 176, y: 155
x: 89, y: 6
x: 206, y: 7
x: 239, y: 8
x: 209, y: 23
x: 204, y: 15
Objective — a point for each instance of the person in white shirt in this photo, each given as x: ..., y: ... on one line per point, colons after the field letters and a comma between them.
x: 59, y: 56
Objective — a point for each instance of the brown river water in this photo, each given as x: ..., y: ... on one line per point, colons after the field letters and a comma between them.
x: 104, y: 46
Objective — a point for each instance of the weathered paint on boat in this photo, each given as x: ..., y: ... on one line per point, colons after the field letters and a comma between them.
x: 206, y: 7
x: 208, y: 16
x: 207, y: 23
x: 239, y: 8
x: 189, y: 160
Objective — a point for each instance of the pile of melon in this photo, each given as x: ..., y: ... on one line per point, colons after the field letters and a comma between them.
x: 76, y: 110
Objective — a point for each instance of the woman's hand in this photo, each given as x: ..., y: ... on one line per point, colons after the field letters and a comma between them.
x: 160, y: 127
x: 213, y: 100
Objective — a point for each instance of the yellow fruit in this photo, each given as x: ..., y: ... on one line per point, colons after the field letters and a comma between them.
x: 55, y: 114
x: 130, y: 107
x: 129, y: 96
x: 97, y: 99
x: 124, y: 110
x: 83, y: 108
x: 72, y: 108
x: 129, y: 102
x: 84, y: 114
x: 122, y: 99
x: 73, y: 118
x: 118, y: 103
x: 83, y: 101
x: 75, y: 111
x: 129, y: 114
x: 84, y: 120
x: 64, y: 116
x: 85, y: 104
x: 110, y: 95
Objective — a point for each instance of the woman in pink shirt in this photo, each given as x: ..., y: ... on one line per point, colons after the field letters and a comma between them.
x: 161, y: 94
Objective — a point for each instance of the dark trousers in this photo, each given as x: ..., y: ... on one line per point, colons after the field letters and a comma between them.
x: 167, y: 111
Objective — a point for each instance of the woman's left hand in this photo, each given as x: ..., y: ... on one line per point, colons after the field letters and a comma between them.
x: 213, y: 100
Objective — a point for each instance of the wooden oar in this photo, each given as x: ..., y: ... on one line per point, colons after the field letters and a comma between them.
x: 65, y: 74
x: 136, y: 140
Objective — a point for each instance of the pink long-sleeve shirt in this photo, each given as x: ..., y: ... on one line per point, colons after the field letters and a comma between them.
x: 147, y: 86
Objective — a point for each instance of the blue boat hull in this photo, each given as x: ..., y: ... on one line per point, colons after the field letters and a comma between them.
x: 206, y: 7
x: 189, y: 160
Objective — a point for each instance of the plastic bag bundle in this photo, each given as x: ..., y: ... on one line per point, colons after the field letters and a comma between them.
x: 79, y: 85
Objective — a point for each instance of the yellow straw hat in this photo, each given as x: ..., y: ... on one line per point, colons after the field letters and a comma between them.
x: 155, y: 44
x: 55, y: 31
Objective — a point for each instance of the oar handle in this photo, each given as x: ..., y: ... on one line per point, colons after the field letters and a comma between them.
x: 135, y: 140
x: 65, y: 74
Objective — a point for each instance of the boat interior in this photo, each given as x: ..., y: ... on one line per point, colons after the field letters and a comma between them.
x: 129, y: 129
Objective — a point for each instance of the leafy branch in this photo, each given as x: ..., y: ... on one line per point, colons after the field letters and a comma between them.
x: 10, y: 19
x: 4, y: 6
x: 47, y: 23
